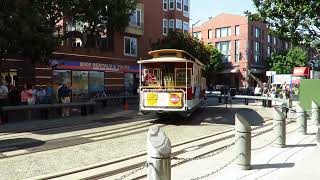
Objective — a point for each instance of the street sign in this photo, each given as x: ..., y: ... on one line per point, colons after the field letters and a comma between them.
x: 271, y: 73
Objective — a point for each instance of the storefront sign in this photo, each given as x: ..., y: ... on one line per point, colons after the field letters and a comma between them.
x: 163, y: 99
x: 301, y: 71
x: 77, y: 65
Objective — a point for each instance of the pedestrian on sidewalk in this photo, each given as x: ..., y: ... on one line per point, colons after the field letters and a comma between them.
x: 25, y: 94
x: 64, y: 92
x: 3, y: 99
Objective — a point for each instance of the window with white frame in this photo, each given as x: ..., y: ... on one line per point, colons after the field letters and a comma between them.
x: 223, y: 32
x: 185, y: 27
x: 269, y: 51
x: 257, y: 52
x: 130, y: 46
x: 210, y: 34
x: 274, y: 40
x: 171, y: 24
x: 165, y: 5
x: 179, y: 5
x: 197, y: 35
x: 178, y: 24
x: 165, y: 26
x: 237, y: 30
x: 171, y: 4
x: 224, y: 47
x: 269, y: 38
x: 257, y: 33
x: 135, y: 18
x: 237, y: 50
x: 186, y: 8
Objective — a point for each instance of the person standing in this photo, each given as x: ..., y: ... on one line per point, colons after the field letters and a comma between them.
x: 25, y: 95
x: 3, y: 99
x: 64, y: 92
x: 49, y: 94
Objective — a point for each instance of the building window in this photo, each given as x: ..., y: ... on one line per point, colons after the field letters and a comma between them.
x: 130, y: 46
x: 257, y: 33
x: 197, y: 35
x: 269, y: 38
x: 224, y: 47
x: 223, y: 32
x: 171, y: 4
x: 269, y: 51
x: 237, y: 50
x: 257, y: 52
x: 178, y: 24
x: 210, y: 34
x: 185, y: 27
x: 186, y: 8
x: 274, y: 40
x: 179, y: 5
x: 135, y: 18
x: 165, y: 26
x: 165, y: 5
x: 171, y: 24
x: 237, y: 30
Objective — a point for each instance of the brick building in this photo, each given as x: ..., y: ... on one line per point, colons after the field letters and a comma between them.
x: 245, y: 44
x: 89, y: 70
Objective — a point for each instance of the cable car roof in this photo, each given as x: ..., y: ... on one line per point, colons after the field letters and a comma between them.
x: 171, y: 55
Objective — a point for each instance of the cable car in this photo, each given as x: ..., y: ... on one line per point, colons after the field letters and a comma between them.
x: 171, y: 82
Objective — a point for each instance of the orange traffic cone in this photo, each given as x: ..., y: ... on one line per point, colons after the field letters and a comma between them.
x: 126, y: 105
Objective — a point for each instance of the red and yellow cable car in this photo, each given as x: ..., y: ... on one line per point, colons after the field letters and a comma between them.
x: 171, y: 82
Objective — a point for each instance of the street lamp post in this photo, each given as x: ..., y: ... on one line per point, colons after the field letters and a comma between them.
x: 193, y: 26
x: 196, y: 24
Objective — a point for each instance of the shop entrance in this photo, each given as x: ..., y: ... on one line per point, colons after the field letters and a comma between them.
x: 10, y: 76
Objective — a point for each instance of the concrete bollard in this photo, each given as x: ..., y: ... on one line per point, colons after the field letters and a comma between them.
x: 159, y: 155
x: 315, y: 113
x: 279, y: 128
x: 301, y: 120
x: 243, y: 142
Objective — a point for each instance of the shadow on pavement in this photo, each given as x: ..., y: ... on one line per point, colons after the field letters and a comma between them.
x: 272, y: 166
x: 64, y: 125
x: 300, y: 145
x: 211, y: 115
x: 19, y: 143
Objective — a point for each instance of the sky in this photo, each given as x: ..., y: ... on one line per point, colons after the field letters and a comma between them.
x: 203, y: 9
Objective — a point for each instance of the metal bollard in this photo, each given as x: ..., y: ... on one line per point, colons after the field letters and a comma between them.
x: 269, y: 103
x: 279, y: 128
x: 264, y: 103
x: 315, y: 113
x: 246, y: 101
x: 220, y: 99
x: 243, y: 142
x: 302, y: 120
x: 159, y: 155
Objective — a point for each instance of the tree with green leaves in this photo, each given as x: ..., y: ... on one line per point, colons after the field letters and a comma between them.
x: 283, y: 63
x: 291, y: 19
x: 207, y: 54
x: 28, y: 27
x: 104, y: 16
